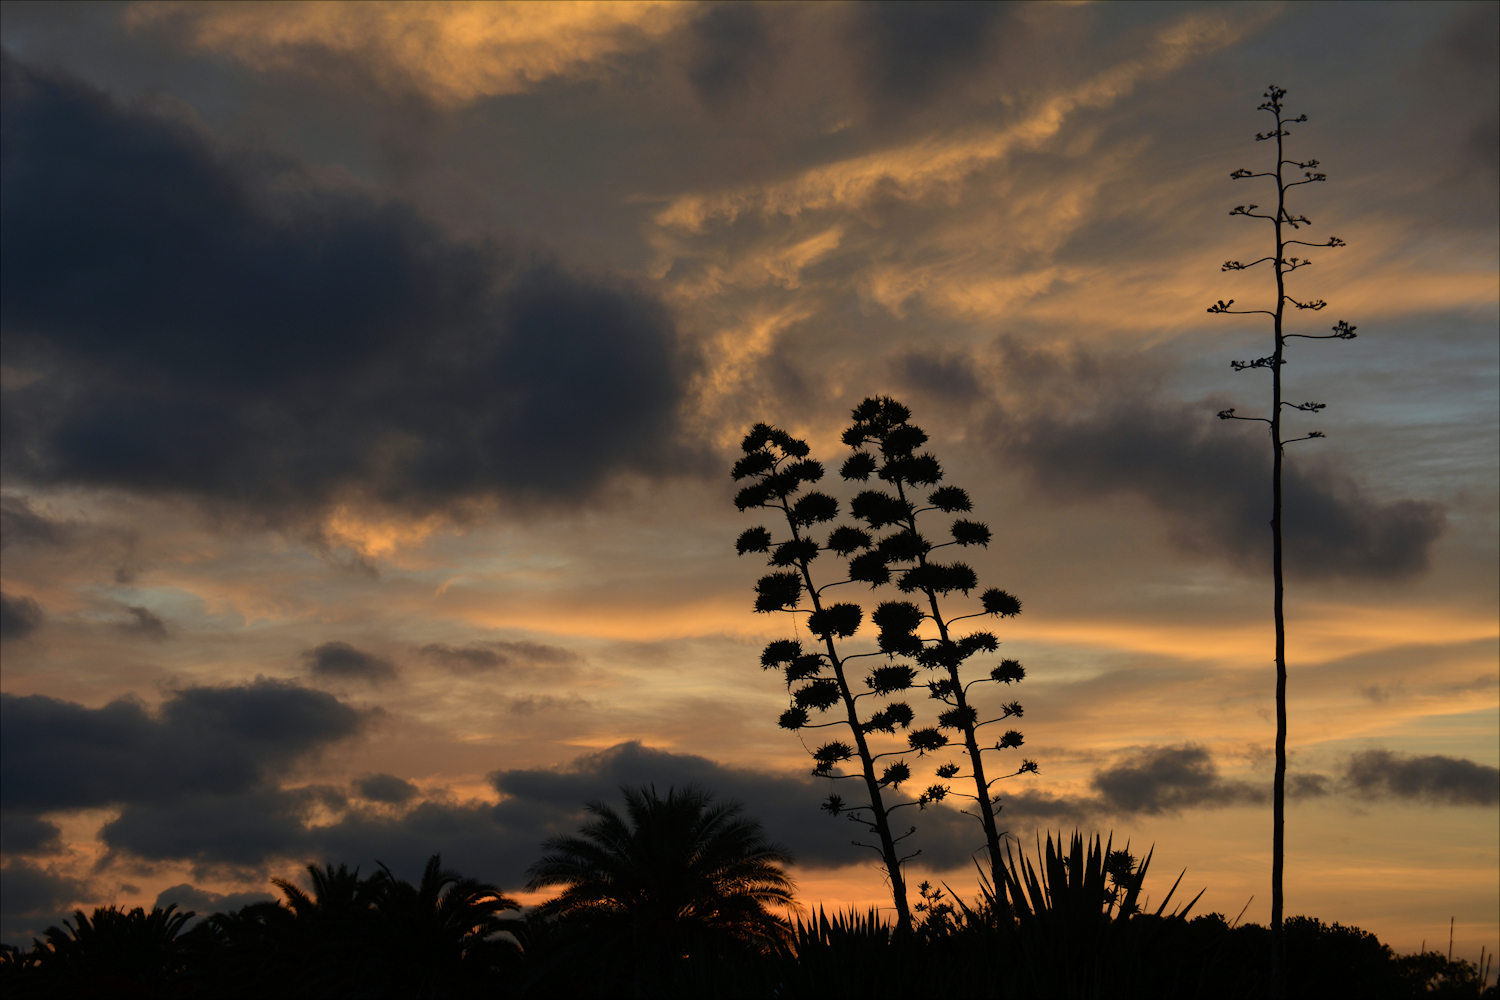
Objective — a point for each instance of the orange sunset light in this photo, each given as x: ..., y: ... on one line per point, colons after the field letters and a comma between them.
x: 512, y: 432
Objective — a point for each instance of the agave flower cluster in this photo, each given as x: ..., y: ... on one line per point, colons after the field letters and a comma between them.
x: 885, y: 547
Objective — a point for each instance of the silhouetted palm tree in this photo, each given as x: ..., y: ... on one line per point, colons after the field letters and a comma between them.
x: 115, y: 953
x: 335, y: 893
x: 674, y: 868
x: 442, y: 929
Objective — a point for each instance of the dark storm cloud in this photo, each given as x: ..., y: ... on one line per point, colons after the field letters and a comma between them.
x: 245, y: 829
x: 788, y: 807
x: 1166, y: 779
x: 341, y: 661
x: 144, y: 624
x: 907, y: 51
x: 19, y: 616
x: 223, y: 325
x: 1433, y: 778
x: 23, y: 834
x: 1090, y: 430
x: 33, y: 898
x: 944, y: 375
x: 484, y: 656
x: 241, y: 830
x: 732, y: 52
x: 385, y: 788
x: 203, y: 740
x: 189, y: 898
x: 1213, y: 479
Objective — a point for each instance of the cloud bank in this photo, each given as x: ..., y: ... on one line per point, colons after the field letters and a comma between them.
x: 1432, y: 778
x: 1086, y: 430
x: 201, y: 322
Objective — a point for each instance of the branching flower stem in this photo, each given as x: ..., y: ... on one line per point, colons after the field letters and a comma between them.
x: 880, y: 817
x: 969, y: 718
x: 778, y: 467
x: 1282, y: 265
x: 885, y: 423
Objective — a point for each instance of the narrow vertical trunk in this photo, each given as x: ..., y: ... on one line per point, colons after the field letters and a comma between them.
x: 976, y: 759
x: 971, y: 739
x: 881, y: 820
x: 1278, y: 789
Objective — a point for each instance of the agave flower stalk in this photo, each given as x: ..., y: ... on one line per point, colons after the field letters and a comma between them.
x: 1283, y: 223
x: 818, y: 679
x: 885, y: 423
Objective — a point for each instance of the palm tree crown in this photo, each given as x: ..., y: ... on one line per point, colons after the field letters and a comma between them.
x: 446, y: 914
x: 673, y: 864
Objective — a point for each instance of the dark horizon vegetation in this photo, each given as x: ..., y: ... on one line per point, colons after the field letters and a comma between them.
x: 676, y: 900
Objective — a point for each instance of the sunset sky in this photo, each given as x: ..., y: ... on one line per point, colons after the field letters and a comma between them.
x: 373, y: 372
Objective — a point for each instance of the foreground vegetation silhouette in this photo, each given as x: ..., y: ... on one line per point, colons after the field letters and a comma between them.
x: 672, y: 900
x: 675, y: 876
x: 887, y: 548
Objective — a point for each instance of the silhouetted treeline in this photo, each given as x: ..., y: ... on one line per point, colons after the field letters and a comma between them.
x: 347, y: 945
x: 669, y: 900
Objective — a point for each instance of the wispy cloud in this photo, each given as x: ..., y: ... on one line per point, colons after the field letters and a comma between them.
x: 451, y: 53
x: 936, y: 164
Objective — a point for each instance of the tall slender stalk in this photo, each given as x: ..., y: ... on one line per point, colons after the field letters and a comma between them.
x: 1282, y: 265
x: 778, y: 466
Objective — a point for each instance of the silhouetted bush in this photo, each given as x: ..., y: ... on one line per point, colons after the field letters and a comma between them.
x: 379, y: 937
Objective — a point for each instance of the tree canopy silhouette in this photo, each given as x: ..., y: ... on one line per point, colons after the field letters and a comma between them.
x: 674, y: 866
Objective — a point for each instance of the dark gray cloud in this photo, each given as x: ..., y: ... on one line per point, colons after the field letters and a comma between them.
x: 788, y: 806
x: 240, y: 831
x: 1155, y: 780
x: 1433, y: 778
x: 189, y: 898
x: 907, y: 50
x: 1308, y: 786
x: 1213, y: 479
x: 19, y: 616
x: 1461, y: 68
x: 1091, y: 429
x: 1150, y: 781
x: 20, y: 525
x: 385, y: 788
x: 144, y: 624
x: 23, y: 526
x: 1166, y: 779
x: 241, y: 826
x: 225, y: 326
x: 341, y: 661
x: 483, y: 656
x: 942, y: 375
x: 732, y: 52
x: 1028, y: 810
x: 23, y: 834
x: 33, y: 898
x: 59, y: 755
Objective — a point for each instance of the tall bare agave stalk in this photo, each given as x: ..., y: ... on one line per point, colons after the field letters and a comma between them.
x: 1282, y: 221
x: 778, y: 467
